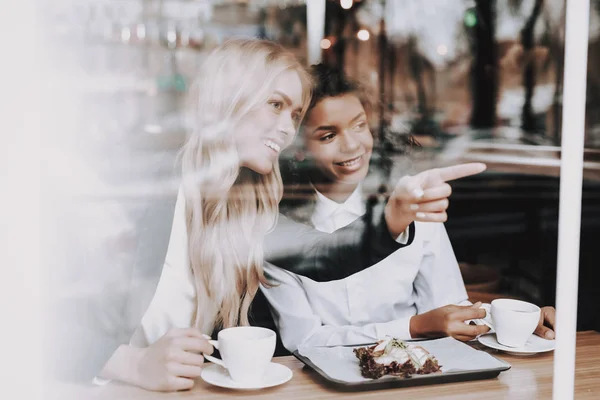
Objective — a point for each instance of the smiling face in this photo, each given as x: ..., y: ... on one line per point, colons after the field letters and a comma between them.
x: 338, y: 139
x: 266, y: 131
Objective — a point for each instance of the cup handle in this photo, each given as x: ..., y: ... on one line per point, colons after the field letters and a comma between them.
x: 487, y: 320
x: 215, y: 359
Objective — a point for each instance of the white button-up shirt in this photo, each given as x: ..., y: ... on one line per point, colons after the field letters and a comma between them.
x: 372, y: 303
x: 330, y: 216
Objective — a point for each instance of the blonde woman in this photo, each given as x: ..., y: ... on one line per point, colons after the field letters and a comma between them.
x: 248, y: 102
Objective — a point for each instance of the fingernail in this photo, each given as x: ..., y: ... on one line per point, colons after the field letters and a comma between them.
x: 549, y: 335
x: 421, y: 215
x: 414, y: 207
x: 205, y: 336
x: 418, y: 193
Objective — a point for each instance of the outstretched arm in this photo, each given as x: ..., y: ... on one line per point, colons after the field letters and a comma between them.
x: 325, y: 257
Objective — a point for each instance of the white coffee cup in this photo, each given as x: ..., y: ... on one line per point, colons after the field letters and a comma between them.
x: 513, y: 320
x: 246, y: 351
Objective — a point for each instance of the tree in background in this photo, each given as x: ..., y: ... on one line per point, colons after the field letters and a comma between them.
x: 484, y: 71
x: 338, y: 24
x: 423, y: 74
x: 556, y: 45
x: 593, y: 80
x: 528, y: 120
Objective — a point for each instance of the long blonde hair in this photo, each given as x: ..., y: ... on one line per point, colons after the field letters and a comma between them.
x: 229, y: 209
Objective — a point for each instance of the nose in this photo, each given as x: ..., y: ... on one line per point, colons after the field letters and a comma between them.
x: 350, y: 142
x: 286, y: 124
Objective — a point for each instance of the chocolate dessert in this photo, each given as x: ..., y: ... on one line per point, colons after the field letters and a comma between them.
x: 392, y: 356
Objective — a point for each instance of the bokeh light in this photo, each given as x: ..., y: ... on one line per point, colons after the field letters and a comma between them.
x: 325, y: 43
x: 346, y: 4
x: 363, y: 35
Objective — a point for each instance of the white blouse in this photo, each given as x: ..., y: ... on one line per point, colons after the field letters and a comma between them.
x: 174, y: 302
x: 372, y: 303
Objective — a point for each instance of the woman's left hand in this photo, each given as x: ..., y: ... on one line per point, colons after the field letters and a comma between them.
x: 545, y: 327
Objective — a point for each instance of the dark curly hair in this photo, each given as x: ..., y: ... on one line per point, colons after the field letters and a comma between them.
x: 333, y: 82
x: 328, y: 82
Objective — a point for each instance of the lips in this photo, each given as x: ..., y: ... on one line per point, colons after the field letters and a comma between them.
x: 350, y: 162
x: 272, y: 145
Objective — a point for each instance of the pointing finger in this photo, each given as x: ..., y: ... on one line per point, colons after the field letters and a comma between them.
x: 460, y: 171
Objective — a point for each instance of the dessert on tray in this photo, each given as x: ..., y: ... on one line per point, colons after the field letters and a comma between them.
x: 392, y: 356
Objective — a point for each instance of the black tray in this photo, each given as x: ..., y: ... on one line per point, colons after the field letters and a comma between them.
x: 387, y: 382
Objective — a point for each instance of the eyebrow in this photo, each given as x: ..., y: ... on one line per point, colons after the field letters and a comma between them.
x: 333, y: 127
x: 287, y: 99
x: 360, y: 114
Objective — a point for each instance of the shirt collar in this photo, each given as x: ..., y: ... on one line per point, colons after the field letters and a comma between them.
x: 325, y: 207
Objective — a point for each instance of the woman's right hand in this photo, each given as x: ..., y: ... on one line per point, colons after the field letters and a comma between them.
x: 172, y: 362
x: 424, y: 197
x: 449, y: 321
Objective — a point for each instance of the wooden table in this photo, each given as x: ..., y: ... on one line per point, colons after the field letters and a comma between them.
x: 529, y: 378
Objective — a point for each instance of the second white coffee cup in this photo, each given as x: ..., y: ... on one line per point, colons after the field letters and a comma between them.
x: 513, y: 320
x: 246, y: 351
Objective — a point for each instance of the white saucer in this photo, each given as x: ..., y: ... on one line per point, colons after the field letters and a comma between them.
x: 276, y: 374
x: 534, y: 345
